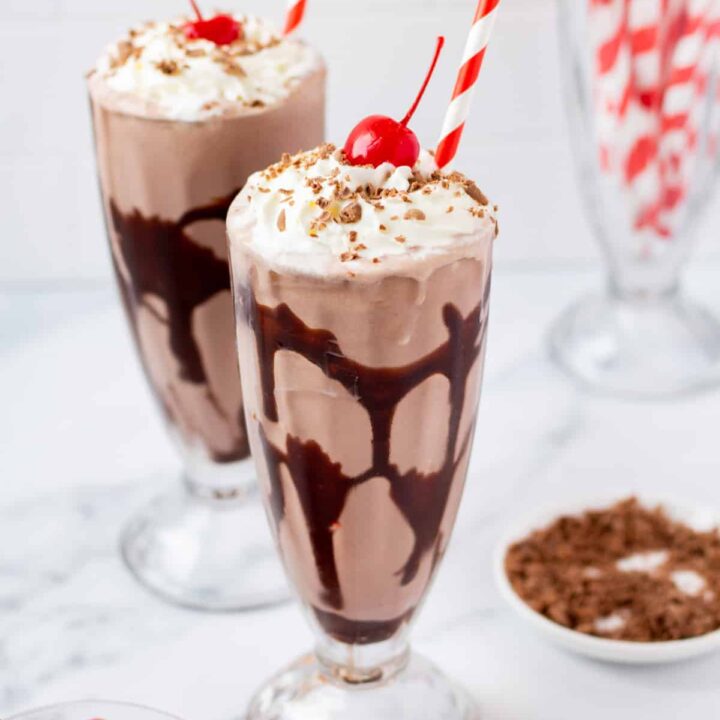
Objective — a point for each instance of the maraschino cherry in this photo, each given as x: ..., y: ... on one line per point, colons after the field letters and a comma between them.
x: 221, y: 29
x: 378, y: 138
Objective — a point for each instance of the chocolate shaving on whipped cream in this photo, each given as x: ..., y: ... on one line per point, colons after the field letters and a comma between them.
x: 362, y: 213
x: 192, y: 78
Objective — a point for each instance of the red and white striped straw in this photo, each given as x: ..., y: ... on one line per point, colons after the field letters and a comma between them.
x: 459, y: 108
x: 295, y: 13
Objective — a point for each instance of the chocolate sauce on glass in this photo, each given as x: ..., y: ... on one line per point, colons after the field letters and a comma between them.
x: 321, y: 486
x: 163, y: 261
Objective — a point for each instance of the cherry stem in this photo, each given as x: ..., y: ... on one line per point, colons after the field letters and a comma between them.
x: 197, y: 10
x: 414, y: 106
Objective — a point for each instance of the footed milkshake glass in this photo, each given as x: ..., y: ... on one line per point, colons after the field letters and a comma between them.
x: 166, y: 186
x: 361, y: 392
x: 642, y: 81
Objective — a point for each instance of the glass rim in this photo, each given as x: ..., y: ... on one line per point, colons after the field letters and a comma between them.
x: 25, y: 714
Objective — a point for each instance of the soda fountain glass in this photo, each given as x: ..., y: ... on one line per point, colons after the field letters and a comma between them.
x: 204, y: 543
x: 361, y: 395
x: 643, y: 92
x: 166, y: 185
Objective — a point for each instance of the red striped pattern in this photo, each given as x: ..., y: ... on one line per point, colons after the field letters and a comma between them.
x: 484, y: 9
x: 294, y: 16
x: 644, y: 40
x: 675, y: 164
x: 448, y: 147
x: 466, y: 79
x: 468, y: 74
x: 643, y: 152
x: 607, y: 53
x: 643, y: 80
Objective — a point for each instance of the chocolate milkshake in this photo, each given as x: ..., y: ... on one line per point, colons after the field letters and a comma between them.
x: 184, y: 111
x: 180, y: 123
x: 362, y: 306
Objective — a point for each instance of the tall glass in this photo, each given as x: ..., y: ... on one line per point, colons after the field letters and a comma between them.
x: 167, y: 185
x: 361, y: 394
x: 642, y: 81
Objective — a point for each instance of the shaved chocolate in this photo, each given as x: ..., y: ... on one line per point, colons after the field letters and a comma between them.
x: 476, y: 193
x: 614, y: 572
x: 307, y: 160
x: 351, y: 213
x: 232, y: 68
x: 125, y: 51
x: 169, y: 67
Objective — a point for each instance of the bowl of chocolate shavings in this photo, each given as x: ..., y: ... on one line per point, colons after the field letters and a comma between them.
x: 630, y: 581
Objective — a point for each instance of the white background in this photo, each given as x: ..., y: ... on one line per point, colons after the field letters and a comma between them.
x: 515, y: 144
x: 81, y: 444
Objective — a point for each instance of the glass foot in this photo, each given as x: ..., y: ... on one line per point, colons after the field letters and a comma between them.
x: 206, y: 552
x: 417, y: 692
x: 638, y: 348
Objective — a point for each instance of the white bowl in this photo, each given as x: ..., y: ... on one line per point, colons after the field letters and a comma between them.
x: 621, y: 651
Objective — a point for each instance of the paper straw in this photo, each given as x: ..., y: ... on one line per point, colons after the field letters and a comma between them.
x: 459, y: 107
x: 295, y: 13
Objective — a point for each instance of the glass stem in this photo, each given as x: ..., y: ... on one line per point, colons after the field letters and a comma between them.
x: 361, y: 664
x: 644, y: 283
x: 205, y: 478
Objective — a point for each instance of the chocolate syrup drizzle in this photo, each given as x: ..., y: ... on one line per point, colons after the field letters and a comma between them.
x: 320, y: 483
x: 163, y: 261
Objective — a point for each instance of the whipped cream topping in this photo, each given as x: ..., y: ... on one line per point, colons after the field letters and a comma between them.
x: 185, y: 79
x: 315, y: 205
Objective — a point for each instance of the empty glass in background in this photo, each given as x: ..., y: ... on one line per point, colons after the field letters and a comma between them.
x: 87, y: 709
x: 642, y: 86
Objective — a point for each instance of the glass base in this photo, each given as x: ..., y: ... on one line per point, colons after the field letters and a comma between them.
x: 419, y: 691
x: 205, y: 551
x: 638, y: 348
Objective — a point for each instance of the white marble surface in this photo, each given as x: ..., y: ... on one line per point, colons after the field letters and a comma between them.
x: 81, y: 446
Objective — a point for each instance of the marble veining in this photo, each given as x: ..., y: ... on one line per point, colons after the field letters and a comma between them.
x: 66, y: 601
x: 82, y: 446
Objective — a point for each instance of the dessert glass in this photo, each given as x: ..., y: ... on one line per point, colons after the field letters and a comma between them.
x: 642, y: 82
x: 361, y: 392
x: 166, y: 186
x: 86, y: 709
